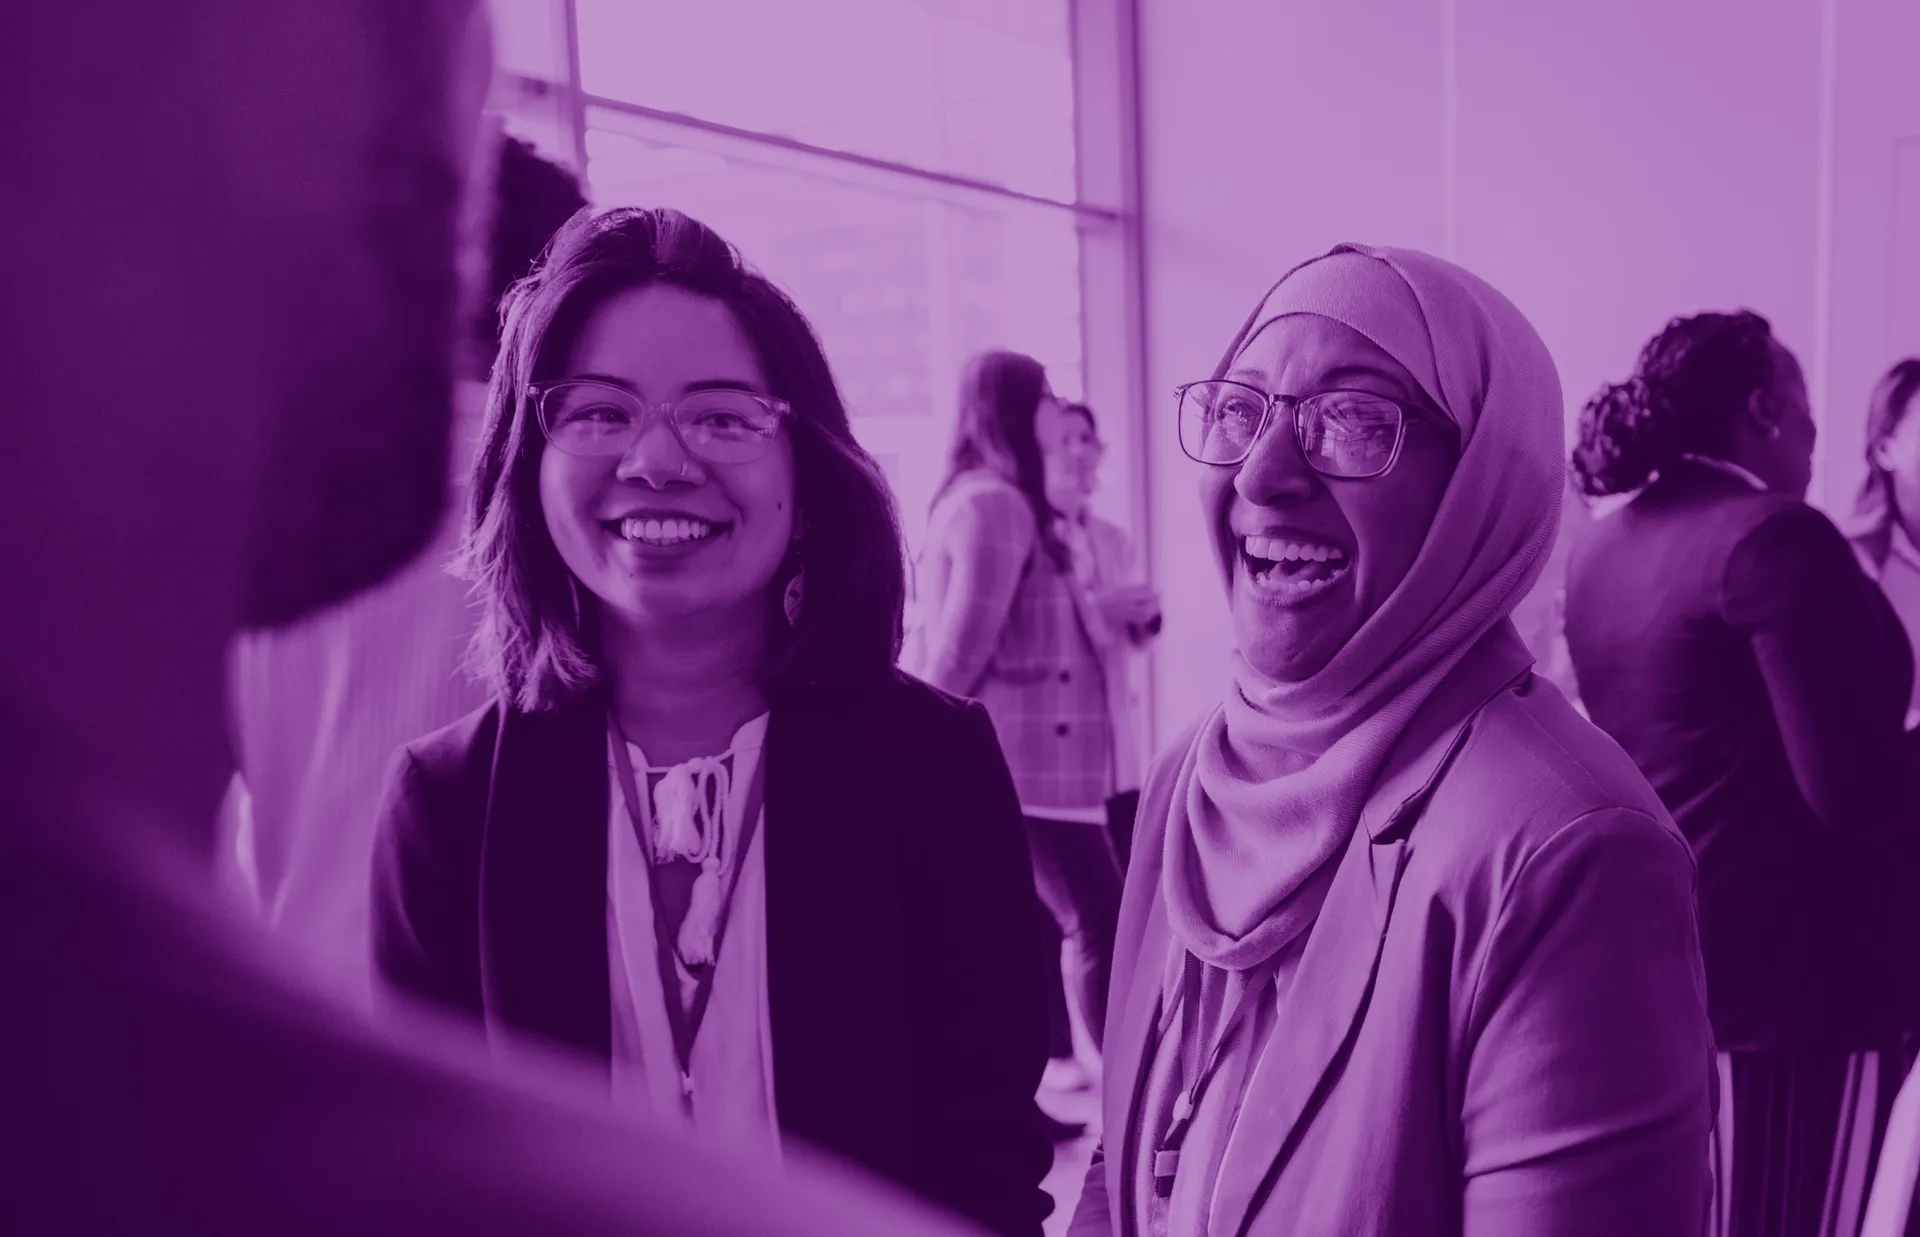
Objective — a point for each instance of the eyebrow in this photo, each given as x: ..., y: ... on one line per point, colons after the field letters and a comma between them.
x: 703, y: 384
x: 1337, y: 375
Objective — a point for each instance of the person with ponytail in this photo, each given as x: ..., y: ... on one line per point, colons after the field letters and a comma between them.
x: 1722, y: 632
x: 1408, y: 946
x: 706, y: 835
x: 1002, y: 616
x: 1886, y: 528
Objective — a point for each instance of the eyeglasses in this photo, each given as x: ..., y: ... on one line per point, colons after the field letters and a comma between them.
x: 1348, y: 434
x: 582, y: 416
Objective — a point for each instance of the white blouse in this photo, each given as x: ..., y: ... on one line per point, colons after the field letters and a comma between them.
x: 732, y: 1060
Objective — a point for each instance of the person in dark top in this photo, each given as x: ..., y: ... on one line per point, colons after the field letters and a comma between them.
x: 1723, y: 634
x: 707, y: 835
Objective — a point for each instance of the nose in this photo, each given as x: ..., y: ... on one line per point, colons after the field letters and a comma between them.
x: 657, y: 457
x: 1275, y: 472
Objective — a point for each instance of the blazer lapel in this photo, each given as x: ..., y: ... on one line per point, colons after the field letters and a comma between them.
x: 543, y: 879
x: 1323, y: 1008
x: 836, y: 949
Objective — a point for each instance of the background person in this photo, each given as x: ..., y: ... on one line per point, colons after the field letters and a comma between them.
x: 1723, y: 634
x: 1124, y: 611
x: 1887, y: 513
x: 1001, y: 617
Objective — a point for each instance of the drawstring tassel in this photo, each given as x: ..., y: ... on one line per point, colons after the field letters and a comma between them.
x: 702, y: 924
x: 690, y: 804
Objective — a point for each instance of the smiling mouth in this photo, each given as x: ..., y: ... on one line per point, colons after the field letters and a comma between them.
x: 664, y: 532
x: 1293, y: 570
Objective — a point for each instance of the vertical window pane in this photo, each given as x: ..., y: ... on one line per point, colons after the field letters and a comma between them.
x: 975, y: 88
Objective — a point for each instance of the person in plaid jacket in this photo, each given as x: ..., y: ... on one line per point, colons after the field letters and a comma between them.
x: 1001, y: 615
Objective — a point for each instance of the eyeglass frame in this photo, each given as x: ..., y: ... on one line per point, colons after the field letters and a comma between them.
x: 537, y: 393
x: 1272, y: 400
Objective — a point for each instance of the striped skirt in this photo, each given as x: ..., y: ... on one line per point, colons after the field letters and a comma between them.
x: 1798, y: 1138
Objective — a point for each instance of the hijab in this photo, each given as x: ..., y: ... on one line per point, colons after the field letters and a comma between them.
x: 1270, y: 791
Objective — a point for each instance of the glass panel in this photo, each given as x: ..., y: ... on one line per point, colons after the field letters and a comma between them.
x: 901, y: 286
x: 975, y: 88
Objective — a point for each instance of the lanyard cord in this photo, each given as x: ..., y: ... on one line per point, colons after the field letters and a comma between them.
x: 685, y: 1022
x: 1195, y: 1073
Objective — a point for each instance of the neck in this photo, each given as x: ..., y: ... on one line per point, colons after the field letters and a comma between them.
x: 682, y: 689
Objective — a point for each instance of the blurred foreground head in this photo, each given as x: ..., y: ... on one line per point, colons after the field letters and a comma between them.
x: 227, y: 234
x: 228, y: 338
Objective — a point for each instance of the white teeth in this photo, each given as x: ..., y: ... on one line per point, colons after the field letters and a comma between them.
x: 1274, y: 550
x: 664, y: 532
x: 1276, y: 583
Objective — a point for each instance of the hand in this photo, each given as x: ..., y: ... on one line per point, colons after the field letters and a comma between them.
x: 1132, y: 608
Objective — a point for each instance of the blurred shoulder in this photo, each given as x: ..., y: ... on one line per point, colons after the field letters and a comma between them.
x: 988, y: 497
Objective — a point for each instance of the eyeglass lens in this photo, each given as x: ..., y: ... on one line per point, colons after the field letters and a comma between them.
x: 723, y: 427
x: 1341, y: 433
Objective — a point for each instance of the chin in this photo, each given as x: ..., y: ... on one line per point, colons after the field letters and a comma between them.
x: 1286, y: 657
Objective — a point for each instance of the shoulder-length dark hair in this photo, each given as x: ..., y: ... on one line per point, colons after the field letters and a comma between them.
x: 1000, y: 395
x: 1874, y: 511
x: 535, y: 643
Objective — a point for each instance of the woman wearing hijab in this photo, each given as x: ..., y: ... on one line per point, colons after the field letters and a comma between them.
x: 1724, y: 635
x: 1407, y: 947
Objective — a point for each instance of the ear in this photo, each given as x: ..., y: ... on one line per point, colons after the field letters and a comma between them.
x: 1879, y: 455
x: 1760, y: 408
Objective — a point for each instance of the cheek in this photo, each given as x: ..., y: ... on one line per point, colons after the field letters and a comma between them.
x: 1216, y: 500
x: 561, y: 494
x: 1390, y: 524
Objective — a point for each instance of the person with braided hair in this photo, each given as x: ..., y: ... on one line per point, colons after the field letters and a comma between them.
x: 1723, y: 634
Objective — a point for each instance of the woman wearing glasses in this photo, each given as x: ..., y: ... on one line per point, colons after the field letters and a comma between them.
x: 1409, y: 947
x: 707, y: 834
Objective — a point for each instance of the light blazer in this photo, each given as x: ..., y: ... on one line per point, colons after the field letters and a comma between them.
x: 1499, y: 1023
x: 998, y: 620
x: 905, y: 974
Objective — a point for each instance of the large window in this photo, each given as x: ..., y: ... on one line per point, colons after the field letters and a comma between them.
x: 926, y: 178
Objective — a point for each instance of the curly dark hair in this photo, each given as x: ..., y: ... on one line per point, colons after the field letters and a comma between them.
x: 534, y: 642
x: 1689, y: 388
x: 1000, y: 395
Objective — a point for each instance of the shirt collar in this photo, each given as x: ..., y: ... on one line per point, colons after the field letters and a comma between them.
x: 1726, y: 466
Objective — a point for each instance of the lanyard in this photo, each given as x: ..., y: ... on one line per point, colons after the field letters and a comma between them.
x: 1195, y: 1072
x: 685, y: 1022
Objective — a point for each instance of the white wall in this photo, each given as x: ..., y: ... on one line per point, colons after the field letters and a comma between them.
x: 1606, y: 165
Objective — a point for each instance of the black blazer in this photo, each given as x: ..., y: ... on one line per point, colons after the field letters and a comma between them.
x: 905, y: 966
x: 1727, y: 639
